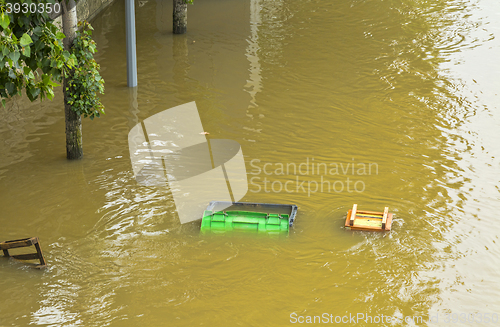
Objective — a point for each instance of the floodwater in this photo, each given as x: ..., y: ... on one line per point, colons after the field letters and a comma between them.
x: 404, y: 91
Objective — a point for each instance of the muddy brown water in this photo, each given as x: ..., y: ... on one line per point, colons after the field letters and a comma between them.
x: 406, y: 92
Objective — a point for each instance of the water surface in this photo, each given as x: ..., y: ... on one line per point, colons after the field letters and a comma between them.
x: 406, y: 88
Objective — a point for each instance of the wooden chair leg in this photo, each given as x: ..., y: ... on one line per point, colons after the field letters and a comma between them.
x: 353, y: 214
x: 40, y: 254
x: 384, y: 217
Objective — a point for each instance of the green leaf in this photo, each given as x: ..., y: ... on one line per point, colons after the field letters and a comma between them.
x: 25, y: 19
x: 37, y: 30
x: 25, y: 40
x: 50, y: 94
x: 27, y: 51
x: 14, y: 56
x: 4, y: 20
x: 46, y: 79
x: 71, y: 62
x: 35, y: 92
x: 10, y: 88
x: 60, y: 35
x: 39, y: 45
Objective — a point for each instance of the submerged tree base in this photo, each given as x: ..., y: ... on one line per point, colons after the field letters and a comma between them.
x: 180, y: 17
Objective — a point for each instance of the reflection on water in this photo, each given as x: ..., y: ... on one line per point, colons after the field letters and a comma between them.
x: 410, y: 86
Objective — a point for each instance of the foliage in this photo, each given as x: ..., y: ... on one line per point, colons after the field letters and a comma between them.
x: 32, y: 54
x: 32, y: 57
x: 84, y: 80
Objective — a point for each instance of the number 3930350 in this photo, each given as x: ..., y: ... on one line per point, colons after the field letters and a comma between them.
x: 33, y: 8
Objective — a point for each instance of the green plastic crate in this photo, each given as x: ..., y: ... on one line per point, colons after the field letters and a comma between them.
x: 277, y: 218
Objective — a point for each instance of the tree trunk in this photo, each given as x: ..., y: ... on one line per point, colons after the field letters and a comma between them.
x: 180, y: 16
x: 74, y: 149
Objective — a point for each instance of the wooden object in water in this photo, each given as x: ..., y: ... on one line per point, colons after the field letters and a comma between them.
x: 368, y: 220
x: 25, y: 242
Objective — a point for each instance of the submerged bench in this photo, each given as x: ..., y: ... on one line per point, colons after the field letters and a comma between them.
x: 25, y: 242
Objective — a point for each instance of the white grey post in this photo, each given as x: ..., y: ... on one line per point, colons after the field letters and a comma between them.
x: 130, y: 35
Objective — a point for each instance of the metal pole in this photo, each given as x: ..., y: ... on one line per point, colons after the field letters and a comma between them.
x: 130, y: 35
